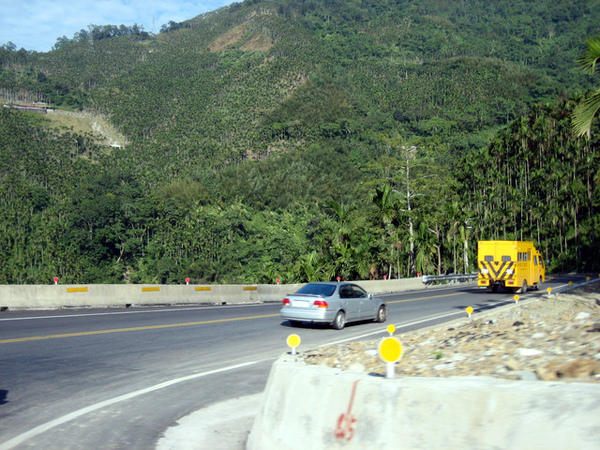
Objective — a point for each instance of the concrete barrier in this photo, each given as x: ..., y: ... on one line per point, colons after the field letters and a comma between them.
x: 122, y: 295
x: 378, y: 287
x: 318, y: 407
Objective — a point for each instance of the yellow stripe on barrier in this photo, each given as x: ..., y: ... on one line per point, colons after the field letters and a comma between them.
x: 77, y: 289
x: 150, y: 289
x: 250, y: 288
x: 203, y: 288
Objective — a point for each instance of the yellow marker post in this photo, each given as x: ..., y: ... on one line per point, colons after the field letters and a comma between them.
x: 293, y: 341
x: 469, y: 310
x: 516, y: 297
x: 570, y: 283
x: 390, y: 351
x: 549, y: 291
x: 391, y: 329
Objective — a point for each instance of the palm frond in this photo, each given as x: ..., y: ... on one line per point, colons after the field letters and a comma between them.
x: 584, y: 114
x: 588, y: 61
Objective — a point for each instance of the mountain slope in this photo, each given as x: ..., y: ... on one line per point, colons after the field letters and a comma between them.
x: 301, y: 140
x: 233, y: 84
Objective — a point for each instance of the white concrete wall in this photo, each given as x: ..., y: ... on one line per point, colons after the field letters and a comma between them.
x: 303, y: 405
x: 119, y: 295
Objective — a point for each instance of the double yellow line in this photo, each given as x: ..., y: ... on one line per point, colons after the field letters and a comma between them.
x: 125, y: 330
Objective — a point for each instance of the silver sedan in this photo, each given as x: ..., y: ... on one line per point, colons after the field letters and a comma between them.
x: 333, y: 303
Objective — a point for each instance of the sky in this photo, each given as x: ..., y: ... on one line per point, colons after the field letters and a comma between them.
x: 37, y: 24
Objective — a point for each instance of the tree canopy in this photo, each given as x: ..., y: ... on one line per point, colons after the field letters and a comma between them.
x: 301, y: 141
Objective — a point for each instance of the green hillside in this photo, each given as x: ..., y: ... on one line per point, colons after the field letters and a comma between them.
x: 300, y: 140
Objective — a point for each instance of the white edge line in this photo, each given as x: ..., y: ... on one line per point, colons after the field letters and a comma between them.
x: 354, y: 338
x: 12, y: 443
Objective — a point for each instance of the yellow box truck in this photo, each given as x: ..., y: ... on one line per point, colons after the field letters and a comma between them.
x: 515, y: 265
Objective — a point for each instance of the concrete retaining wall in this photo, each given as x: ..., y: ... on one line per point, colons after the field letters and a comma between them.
x: 121, y: 295
x: 314, y: 407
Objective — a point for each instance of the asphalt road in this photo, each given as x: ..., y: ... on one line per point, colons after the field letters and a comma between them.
x: 118, y: 378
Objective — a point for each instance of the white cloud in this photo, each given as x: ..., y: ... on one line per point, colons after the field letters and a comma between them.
x: 36, y: 24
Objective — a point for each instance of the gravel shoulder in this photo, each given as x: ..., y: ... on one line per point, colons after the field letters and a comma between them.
x: 547, y: 338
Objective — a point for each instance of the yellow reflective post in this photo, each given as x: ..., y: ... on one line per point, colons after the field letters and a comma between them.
x: 516, y: 297
x: 469, y: 310
x: 293, y: 341
x: 390, y: 351
x: 391, y: 329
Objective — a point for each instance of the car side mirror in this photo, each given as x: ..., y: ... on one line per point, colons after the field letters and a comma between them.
x: 370, y: 296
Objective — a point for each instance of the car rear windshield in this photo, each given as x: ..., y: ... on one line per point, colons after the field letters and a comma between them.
x: 324, y: 290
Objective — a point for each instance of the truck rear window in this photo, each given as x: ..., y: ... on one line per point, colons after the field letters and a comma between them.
x: 490, y: 258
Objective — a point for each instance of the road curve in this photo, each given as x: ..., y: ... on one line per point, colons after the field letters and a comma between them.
x: 119, y: 378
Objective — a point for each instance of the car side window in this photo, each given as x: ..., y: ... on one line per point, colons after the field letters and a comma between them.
x: 345, y: 292
x: 357, y: 292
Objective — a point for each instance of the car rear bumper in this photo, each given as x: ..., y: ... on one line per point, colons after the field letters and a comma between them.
x: 307, y: 314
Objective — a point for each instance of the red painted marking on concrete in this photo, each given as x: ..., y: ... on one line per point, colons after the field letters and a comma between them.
x: 346, y: 421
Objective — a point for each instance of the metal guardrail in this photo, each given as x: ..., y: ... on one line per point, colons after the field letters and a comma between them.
x: 427, y: 279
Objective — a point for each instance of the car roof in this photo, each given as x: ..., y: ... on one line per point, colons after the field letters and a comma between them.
x: 332, y: 283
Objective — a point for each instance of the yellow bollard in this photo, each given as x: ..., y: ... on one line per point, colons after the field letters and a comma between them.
x: 293, y: 341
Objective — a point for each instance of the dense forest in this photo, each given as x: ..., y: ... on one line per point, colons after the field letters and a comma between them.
x: 301, y: 141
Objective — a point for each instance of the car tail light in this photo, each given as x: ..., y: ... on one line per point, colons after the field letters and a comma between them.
x: 321, y: 303
x: 286, y: 302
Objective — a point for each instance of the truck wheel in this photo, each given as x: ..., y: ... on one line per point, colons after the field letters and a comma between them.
x: 539, y: 284
x: 524, y: 288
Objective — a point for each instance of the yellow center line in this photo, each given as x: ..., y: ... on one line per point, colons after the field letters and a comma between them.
x: 124, y: 330
x: 425, y: 298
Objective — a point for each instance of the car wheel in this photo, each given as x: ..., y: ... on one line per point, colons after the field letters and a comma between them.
x: 381, y: 314
x: 340, y: 320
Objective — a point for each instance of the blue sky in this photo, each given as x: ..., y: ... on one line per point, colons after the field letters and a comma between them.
x: 36, y: 24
